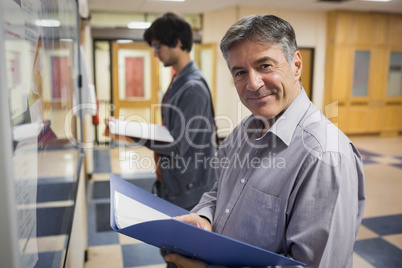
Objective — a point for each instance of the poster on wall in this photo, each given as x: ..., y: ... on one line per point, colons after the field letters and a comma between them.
x: 133, y: 80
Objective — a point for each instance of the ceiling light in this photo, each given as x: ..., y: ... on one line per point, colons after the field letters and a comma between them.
x: 48, y: 23
x: 377, y: 0
x: 124, y: 41
x: 138, y: 25
x: 169, y: 0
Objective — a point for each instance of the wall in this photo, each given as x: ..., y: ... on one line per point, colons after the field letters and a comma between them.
x: 89, y: 130
x: 310, y: 28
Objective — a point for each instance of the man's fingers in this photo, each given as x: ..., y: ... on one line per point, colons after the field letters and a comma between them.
x: 196, y: 220
x: 183, y: 262
x: 172, y: 257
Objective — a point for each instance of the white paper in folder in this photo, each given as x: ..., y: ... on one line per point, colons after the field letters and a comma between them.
x: 140, y: 130
x: 129, y: 211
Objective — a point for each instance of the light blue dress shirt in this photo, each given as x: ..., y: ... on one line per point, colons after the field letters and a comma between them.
x: 298, y: 190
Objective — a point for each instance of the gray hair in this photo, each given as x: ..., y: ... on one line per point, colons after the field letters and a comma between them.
x: 260, y: 30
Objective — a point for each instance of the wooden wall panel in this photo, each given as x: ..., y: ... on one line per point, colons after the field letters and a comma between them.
x: 343, y: 71
x: 380, y: 29
x: 342, y: 120
x: 380, y: 34
x: 306, y: 75
x: 358, y: 117
x: 395, y: 26
x: 374, y: 119
x: 391, y: 118
x: 342, y: 33
x: 362, y: 29
x: 329, y: 60
x: 378, y: 81
x: 400, y: 120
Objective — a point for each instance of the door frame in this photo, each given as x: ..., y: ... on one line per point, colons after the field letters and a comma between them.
x: 154, y: 81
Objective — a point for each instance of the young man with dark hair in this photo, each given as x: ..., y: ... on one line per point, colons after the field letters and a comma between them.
x: 168, y: 30
x: 187, y: 113
x: 183, y: 169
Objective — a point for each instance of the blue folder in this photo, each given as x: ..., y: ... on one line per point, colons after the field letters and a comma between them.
x: 186, y: 239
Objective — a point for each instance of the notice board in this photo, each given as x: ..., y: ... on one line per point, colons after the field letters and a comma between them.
x: 40, y: 159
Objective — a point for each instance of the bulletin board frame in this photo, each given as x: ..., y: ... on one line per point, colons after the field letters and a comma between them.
x: 40, y: 155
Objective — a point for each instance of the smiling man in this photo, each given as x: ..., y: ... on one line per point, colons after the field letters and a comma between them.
x: 309, y: 207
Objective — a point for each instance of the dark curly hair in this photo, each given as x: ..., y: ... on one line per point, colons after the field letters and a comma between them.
x: 168, y: 29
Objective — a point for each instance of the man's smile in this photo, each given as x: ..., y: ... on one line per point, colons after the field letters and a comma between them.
x: 260, y: 97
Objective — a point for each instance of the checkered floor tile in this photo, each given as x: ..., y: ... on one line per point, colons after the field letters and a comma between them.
x: 379, y: 244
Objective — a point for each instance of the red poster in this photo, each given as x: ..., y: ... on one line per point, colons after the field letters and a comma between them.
x: 60, y: 78
x: 134, y: 77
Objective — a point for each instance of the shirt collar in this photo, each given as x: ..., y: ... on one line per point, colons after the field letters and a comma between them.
x: 187, y: 69
x: 286, y: 124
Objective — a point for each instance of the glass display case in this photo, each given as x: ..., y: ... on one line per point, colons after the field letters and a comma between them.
x: 40, y: 43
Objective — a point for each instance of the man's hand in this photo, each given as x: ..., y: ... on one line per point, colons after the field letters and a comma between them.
x: 184, y: 262
x: 107, y: 120
x: 196, y: 220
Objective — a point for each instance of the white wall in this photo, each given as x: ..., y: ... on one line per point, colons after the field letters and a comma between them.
x: 89, y: 129
x: 228, y: 105
x: 310, y: 28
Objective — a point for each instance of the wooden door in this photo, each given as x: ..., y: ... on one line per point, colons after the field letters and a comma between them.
x: 205, y: 58
x: 307, y: 70
x: 135, y: 82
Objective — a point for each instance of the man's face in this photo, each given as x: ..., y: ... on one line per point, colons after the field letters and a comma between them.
x: 266, y: 83
x: 165, y: 54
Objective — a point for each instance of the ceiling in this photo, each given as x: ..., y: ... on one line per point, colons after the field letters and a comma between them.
x: 202, y: 6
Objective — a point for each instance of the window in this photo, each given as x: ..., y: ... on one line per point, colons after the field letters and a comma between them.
x: 395, y: 75
x: 361, y: 73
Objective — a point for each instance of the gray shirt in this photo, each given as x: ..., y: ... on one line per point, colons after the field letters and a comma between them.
x: 298, y: 190
x: 184, y: 163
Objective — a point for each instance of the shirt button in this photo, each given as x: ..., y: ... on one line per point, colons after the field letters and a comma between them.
x: 227, y: 211
x: 243, y: 181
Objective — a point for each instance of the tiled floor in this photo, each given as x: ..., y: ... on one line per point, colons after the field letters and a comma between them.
x: 379, y: 242
x: 54, y: 194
